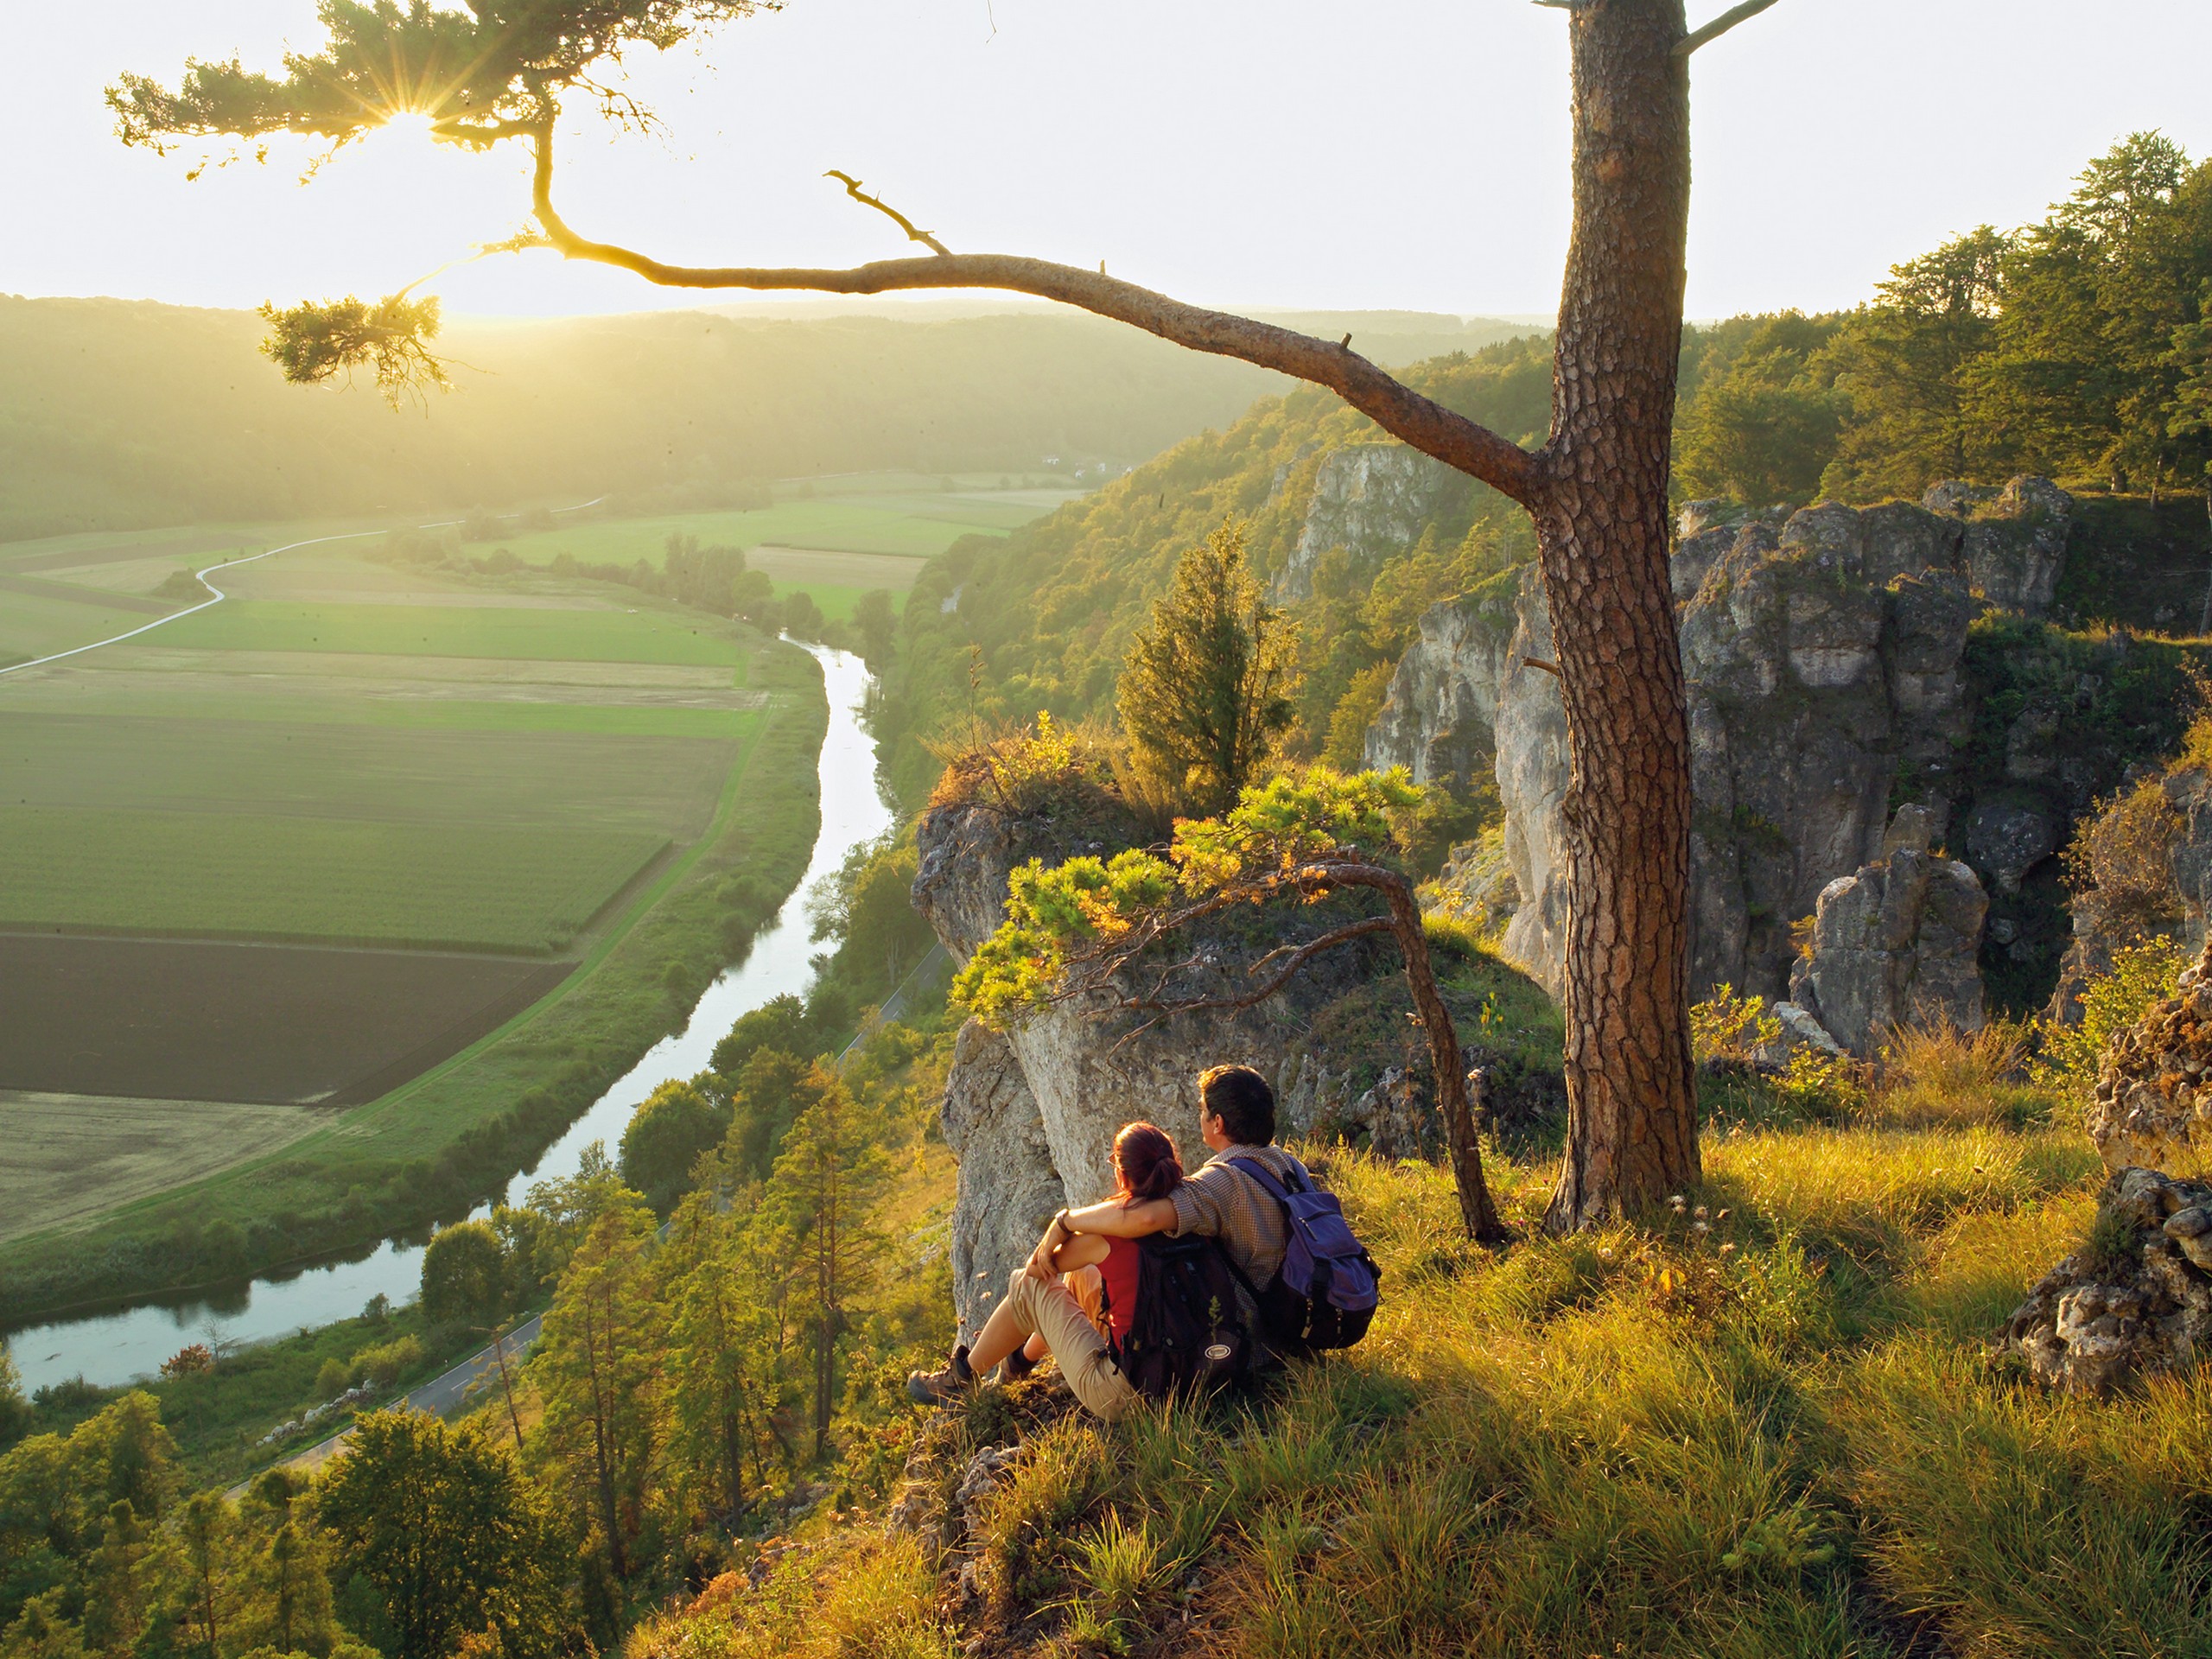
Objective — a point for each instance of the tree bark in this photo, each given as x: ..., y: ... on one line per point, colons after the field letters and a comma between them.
x: 1602, y: 537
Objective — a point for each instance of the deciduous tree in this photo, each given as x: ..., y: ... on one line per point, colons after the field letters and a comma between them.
x: 464, y: 1274
x: 439, y: 1521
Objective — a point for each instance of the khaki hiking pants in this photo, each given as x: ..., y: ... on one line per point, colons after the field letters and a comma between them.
x: 1052, y: 1309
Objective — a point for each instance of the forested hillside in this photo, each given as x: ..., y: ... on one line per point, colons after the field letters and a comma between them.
x: 2077, y: 348
x: 116, y: 414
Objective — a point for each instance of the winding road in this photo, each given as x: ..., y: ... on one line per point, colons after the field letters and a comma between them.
x: 270, y: 553
x: 440, y: 1397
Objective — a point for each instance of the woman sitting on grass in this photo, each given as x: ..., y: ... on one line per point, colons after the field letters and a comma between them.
x: 1075, y: 1296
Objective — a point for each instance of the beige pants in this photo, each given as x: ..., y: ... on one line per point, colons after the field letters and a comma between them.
x: 1052, y: 1309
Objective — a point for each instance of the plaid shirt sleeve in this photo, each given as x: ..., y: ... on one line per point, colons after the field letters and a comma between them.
x: 1219, y: 1202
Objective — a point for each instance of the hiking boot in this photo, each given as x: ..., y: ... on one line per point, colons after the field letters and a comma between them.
x: 1016, y: 1366
x: 942, y: 1387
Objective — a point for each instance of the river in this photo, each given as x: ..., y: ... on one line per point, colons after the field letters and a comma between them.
x: 109, y: 1349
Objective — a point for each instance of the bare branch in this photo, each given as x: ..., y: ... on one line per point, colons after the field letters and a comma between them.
x: 1299, y: 956
x: 1417, y: 421
x: 1720, y: 26
x: 853, y: 189
x: 1551, y: 669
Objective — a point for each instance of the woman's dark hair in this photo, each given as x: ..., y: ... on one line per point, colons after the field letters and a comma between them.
x: 1239, y: 1097
x: 1146, y: 1164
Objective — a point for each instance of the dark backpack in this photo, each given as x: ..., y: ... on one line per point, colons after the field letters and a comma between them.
x: 1324, y: 1294
x: 1187, y: 1334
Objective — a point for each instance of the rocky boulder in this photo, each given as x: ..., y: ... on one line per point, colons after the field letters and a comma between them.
x: 2012, y: 541
x: 1008, y: 1188
x: 2136, y: 1301
x: 2153, y: 1105
x: 1894, y: 946
x: 1371, y: 500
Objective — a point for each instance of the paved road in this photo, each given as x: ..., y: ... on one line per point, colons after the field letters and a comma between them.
x: 441, y: 1396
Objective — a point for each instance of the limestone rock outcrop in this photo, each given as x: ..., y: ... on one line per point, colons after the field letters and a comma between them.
x: 1822, y: 656
x: 1008, y: 1188
x: 1895, y: 946
x: 1371, y: 500
x: 1033, y: 1114
x: 2138, y: 1305
x: 1440, y: 717
x: 2153, y: 1104
x: 2012, y: 543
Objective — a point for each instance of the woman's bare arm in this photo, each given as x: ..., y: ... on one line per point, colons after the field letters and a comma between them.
x: 1082, y: 1250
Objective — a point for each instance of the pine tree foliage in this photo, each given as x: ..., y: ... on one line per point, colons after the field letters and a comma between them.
x: 1202, y: 695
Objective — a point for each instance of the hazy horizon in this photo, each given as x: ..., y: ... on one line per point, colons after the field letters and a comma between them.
x: 1832, y: 142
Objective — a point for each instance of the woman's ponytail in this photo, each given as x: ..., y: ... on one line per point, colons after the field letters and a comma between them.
x: 1146, y: 1164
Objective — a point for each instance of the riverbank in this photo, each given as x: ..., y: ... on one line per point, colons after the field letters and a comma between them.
x: 455, y: 1135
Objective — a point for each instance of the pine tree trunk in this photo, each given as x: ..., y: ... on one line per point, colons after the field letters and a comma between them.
x: 1602, y: 535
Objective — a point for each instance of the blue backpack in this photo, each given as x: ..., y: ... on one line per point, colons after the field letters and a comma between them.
x: 1324, y: 1294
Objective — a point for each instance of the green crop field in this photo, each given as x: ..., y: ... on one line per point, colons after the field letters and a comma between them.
x: 524, y: 782
x: 654, y: 635
x: 427, y: 885
x: 33, y: 625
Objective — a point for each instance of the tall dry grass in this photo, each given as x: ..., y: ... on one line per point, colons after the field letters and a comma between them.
x: 1763, y: 1421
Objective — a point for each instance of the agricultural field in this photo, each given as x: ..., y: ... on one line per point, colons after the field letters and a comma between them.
x: 71, y: 1156
x: 370, y: 861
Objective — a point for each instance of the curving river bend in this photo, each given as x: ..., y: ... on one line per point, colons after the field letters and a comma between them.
x: 108, y: 1349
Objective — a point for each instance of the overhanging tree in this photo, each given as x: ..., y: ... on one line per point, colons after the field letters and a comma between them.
x: 1114, y: 928
x: 1596, y: 490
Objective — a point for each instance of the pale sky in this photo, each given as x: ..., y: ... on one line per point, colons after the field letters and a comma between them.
x: 1288, y: 153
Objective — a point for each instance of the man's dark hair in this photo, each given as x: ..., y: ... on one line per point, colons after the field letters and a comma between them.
x: 1239, y: 1097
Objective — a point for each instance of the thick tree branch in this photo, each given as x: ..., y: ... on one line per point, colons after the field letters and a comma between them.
x: 1720, y: 26
x: 1420, y: 422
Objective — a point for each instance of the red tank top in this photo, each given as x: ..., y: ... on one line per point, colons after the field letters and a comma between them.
x: 1118, y: 1272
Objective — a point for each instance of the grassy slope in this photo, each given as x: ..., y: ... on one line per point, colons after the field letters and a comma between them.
x: 1783, y: 1434
x: 456, y: 1131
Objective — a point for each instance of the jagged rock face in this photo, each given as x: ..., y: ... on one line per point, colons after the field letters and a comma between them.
x: 1371, y: 500
x: 2008, y: 839
x: 1068, y: 1078
x: 1008, y: 1188
x: 2013, y: 546
x: 1820, y: 657
x: 1440, y: 717
x: 2095, y: 1322
x: 2153, y: 1105
x: 1895, y: 946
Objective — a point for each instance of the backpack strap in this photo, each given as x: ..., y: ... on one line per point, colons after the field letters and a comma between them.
x: 1267, y: 1178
